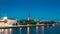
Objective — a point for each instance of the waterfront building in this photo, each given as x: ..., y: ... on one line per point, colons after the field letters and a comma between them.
x: 5, y: 21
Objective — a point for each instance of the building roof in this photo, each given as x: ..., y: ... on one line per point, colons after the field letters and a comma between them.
x: 9, y: 18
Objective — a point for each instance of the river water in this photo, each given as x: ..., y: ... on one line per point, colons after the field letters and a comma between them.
x: 55, y: 29
x: 37, y: 30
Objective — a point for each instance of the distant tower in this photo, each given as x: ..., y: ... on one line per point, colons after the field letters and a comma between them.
x: 34, y: 18
x: 29, y: 16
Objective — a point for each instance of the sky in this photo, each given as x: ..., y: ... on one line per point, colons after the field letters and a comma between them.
x: 42, y: 9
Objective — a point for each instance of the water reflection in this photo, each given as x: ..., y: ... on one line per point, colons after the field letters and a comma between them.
x: 36, y: 29
x: 20, y: 30
x: 32, y: 30
x: 9, y: 31
x: 24, y: 30
x: 28, y: 30
x: 5, y: 31
x: 42, y: 29
x: 15, y: 30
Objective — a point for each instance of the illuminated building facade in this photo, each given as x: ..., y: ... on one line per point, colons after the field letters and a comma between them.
x: 9, y: 21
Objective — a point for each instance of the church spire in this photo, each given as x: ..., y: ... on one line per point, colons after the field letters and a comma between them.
x: 29, y: 16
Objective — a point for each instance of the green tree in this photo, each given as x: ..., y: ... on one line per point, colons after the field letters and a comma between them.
x: 5, y: 21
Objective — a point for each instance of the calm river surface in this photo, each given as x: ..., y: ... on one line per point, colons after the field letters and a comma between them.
x: 37, y: 30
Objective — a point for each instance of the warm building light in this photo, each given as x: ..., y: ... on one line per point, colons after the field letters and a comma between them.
x: 5, y: 18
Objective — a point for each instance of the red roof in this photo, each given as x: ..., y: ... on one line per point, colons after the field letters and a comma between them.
x: 11, y: 18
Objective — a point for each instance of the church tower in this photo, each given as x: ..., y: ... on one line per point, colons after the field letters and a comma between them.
x: 29, y: 16
x: 34, y: 18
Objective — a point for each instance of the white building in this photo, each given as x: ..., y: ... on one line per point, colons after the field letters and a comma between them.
x: 10, y: 21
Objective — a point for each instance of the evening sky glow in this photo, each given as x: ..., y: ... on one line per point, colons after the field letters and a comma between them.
x: 42, y: 9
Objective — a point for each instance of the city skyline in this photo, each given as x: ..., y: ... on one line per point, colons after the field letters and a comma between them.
x: 42, y: 9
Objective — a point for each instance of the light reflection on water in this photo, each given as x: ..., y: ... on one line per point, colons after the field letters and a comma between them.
x: 33, y: 30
